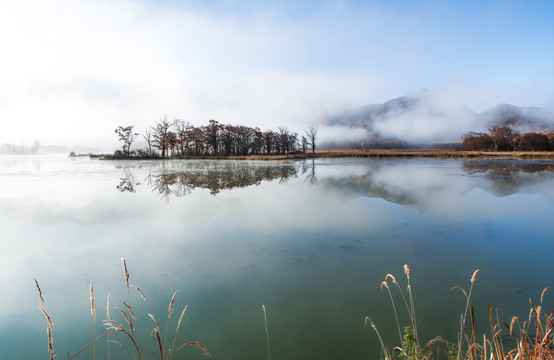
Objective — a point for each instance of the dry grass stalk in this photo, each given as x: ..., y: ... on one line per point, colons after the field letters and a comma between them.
x: 129, y: 308
x: 514, y: 319
x: 199, y: 345
x: 542, y: 295
x: 383, y: 347
x: 155, y: 321
x: 93, y: 314
x: 266, y: 333
x: 108, y: 307
x: 84, y: 347
x: 160, y: 346
x: 392, y: 277
x: 385, y: 284
x: 171, y: 351
x: 108, y: 310
x: 92, y: 303
x: 181, y: 318
x: 118, y: 344
x: 125, y: 273
x: 171, y: 303
x: 39, y: 293
x: 468, y: 298
x: 475, y: 275
x: 407, y: 271
x: 140, y: 292
x: 114, y: 325
x: 127, y: 319
x: 47, y: 316
x: 50, y: 341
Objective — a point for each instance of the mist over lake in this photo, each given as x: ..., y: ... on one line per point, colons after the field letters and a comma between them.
x: 310, y: 240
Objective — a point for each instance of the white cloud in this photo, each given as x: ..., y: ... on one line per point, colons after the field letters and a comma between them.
x: 72, y: 71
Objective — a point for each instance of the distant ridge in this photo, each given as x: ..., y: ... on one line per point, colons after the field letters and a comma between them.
x: 399, y: 121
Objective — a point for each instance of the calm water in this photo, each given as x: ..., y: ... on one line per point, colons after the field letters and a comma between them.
x: 312, y: 241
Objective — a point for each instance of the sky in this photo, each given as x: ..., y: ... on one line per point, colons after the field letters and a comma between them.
x: 71, y: 71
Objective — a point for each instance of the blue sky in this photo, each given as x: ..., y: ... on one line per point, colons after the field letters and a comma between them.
x: 100, y: 64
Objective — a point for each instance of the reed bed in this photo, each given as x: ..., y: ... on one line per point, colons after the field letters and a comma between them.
x: 533, y: 338
x: 123, y: 333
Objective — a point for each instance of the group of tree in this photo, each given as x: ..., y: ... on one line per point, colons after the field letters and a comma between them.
x: 180, y: 138
x: 503, y: 138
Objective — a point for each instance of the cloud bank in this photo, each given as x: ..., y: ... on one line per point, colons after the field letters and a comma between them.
x: 72, y: 71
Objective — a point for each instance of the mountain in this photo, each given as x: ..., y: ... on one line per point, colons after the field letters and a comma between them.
x: 426, y: 118
x: 523, y: 119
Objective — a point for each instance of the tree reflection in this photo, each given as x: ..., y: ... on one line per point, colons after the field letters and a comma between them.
x: 172, y: 181
x: 311, y: 178
x: 128, y: 182
x: 398, y: 182
x: 508, y: 176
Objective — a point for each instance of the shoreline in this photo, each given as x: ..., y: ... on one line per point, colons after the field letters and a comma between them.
x: 376, y: 153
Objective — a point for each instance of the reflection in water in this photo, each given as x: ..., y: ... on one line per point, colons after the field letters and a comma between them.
x: 508, y: 176
x: 416, y: 185
x: 314, y: 251
x: 128, y: 182
x: 180, y: 179
x: 392, y: 181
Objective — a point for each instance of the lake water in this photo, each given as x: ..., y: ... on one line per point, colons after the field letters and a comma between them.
x: 310, y: 240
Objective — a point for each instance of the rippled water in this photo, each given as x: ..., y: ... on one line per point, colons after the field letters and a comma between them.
x: 310, y: 240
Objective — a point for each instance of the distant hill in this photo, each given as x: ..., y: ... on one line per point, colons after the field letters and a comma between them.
x: 524, y: 119
x: 423, y: 118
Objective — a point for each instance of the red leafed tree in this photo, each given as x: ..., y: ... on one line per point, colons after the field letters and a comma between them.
x: 127, y: 137
x: 534, y: 142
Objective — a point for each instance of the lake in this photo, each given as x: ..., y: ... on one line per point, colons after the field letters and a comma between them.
x: 310, y: 240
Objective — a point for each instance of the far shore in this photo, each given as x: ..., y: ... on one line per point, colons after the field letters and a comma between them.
x: 374, y: 153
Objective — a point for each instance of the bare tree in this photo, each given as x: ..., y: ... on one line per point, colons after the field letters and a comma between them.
x: 147, y: 136
x: 160, y: 134
x: 311, y: 133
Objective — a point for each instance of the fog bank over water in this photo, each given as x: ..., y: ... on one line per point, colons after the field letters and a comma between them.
x: 74, y: 72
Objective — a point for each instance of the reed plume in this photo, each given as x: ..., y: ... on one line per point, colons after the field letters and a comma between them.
x: 39, y: 293
x: 93, y: 314
x: 125, y: 273
x: 171, y: 304
x: 140, y: 293
x: 108, y: 310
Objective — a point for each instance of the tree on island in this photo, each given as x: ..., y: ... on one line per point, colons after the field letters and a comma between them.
x: 311, y: 133
x: 503, y: 138
x: 160, y: 134
x: 127, y: 136
x: 180, y: 138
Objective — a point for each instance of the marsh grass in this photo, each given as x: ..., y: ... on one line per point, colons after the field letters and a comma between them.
x: 534, y: 338
x: 123, y: 333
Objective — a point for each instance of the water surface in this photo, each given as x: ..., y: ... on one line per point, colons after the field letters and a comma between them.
x: 310, y: 240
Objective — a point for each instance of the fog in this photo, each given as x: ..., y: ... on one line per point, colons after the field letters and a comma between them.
x: 74, y: 71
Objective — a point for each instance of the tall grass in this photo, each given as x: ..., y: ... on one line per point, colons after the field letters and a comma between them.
x: 533, y: 338
x: 122, y: 332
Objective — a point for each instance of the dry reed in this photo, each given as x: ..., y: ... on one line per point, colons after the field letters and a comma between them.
x: 113, y: 326
x: 93, y: 314
x: 125, y: 273
x: 266, y: 333
x: 140, y: 293
x: 534, y: 339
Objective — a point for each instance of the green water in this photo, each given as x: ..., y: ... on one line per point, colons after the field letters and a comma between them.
x: 311, y: 241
